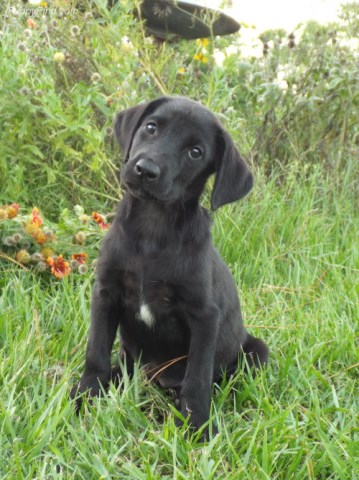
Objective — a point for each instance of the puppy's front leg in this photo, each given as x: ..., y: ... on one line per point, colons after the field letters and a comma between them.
x: 105, y: 314
x: 195, y: 396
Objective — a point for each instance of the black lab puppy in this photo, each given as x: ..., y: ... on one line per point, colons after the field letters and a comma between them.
x: 160, y: 281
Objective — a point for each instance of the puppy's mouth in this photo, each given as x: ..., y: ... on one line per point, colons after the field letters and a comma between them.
x: 147, y: 191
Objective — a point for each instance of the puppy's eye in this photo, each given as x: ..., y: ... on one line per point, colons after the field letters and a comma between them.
x: 195, y: 153
x: 151, y: 128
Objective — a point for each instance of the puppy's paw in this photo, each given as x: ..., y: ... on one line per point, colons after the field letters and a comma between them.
x: 76, y: 397
x: 197, y: 421
x: 86, y: 388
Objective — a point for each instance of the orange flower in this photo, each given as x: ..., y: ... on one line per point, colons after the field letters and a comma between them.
x: 99, y: 219
x: 40, y: 237
x: 13, y: 210
x: 36, y: 218
x: 30, y: 23
x: 59, y: 267
x: 80, y: 257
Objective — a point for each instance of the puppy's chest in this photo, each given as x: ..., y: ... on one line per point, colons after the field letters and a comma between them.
x: 147, y: 299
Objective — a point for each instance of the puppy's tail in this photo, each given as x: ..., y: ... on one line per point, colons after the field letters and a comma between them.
x: 255, y: 351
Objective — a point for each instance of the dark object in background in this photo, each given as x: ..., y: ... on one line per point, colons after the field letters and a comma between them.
x: 166, y: 19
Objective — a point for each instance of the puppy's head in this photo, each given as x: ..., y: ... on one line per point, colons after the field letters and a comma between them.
x: 171, y: 146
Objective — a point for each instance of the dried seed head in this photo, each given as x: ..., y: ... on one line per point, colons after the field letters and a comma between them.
x: 95, y: 77
x: 80, y: 237
x: 17, y: 237
x: 8, y: 241
x: 37, y: 257
x: 24, y: 91
x: 74, y: 264
x: 75, y: 30
x: 23, y: 257
x: 40, y: 266
x: 83, y: 269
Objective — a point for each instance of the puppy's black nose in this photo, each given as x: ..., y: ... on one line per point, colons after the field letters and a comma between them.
x: 147, y: 169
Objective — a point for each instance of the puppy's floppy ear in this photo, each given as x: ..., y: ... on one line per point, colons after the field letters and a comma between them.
x: 126, y: 122
x: 233, y: 177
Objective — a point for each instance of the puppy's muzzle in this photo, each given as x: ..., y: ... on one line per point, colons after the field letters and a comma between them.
x: 147, y: 170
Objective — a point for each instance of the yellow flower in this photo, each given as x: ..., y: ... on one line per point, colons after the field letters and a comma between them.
x: 32, y: 228
x: 59, y: 57
x: 47, y: 252
x: 43, y: 4
x: 203, y: 42
x: 3, y: 213
x: 181, y: 71
x: 201, y: 58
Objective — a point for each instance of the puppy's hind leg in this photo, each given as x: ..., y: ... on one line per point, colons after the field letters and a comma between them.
x: 255, y: 351
x: 254, y: 354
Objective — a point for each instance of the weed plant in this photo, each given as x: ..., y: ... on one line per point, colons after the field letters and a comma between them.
x: 63, y: 76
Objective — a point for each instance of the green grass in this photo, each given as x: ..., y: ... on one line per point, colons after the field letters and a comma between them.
x: 292, y: 247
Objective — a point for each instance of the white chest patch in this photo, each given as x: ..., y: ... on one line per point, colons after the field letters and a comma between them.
x: 146, y: 315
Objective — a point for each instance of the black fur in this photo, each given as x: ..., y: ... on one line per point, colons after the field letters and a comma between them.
x: 158, y: 254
